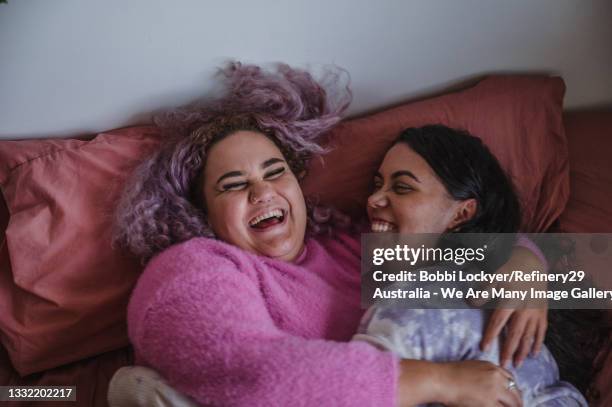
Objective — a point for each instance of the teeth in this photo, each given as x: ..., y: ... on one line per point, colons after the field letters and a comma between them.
x: 381, y: 226
x: 273, y: 213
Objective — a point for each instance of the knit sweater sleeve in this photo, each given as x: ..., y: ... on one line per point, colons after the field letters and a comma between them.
x: 211, y: 336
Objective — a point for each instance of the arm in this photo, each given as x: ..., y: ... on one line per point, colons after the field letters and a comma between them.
x: 526, y: 325
x: 212, y: 338
x: 465, y: 383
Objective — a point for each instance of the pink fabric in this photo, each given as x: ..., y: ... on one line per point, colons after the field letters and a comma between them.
x: 227, y: 327
x: 518, y: 117
x: 63, y: 290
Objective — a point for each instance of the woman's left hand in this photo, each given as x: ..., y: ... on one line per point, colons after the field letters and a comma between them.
x: 526, y: 322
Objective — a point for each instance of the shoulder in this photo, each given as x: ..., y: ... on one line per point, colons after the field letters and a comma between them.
x: 199, y: 257
x: 180, y: 269
x: 196, y: 251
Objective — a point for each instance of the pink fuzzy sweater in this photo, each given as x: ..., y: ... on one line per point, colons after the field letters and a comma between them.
x: 227, y: 327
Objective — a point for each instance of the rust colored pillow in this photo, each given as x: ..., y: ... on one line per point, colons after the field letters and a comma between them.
x: 63, y: 290
x: 589, y: 208
x: 518, y: 117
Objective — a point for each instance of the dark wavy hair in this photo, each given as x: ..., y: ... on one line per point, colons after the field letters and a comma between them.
x: 161, y: 204
x: 468, y: 169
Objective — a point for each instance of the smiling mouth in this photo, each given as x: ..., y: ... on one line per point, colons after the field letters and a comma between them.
x: 268, y: 219
x: 379, y: 226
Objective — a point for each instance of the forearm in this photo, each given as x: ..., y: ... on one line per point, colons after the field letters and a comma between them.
x: 418, y: 383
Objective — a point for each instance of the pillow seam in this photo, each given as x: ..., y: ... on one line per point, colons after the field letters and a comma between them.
x: 54, y: 151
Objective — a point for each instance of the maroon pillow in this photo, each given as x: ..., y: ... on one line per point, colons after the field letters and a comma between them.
x: 589, y: 208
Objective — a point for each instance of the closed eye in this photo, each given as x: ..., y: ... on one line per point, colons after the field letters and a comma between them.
x: 377, y: 184
x: 235, y: 186
x: 402, y: 188
x: 275, y: 173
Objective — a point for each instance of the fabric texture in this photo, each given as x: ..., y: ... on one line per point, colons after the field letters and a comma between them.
x: 63, y: 289
x: 589, y: 208
x: 264, y: 331
x: 518, y: 117
x: 445, y: 335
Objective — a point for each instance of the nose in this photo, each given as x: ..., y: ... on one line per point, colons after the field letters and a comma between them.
x: 260, y: 192
x: 378, y: 199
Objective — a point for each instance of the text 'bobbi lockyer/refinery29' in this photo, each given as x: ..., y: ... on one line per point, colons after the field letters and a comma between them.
x: 480, y: 276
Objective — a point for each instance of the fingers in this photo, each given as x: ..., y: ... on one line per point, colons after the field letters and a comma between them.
x: 482, y: 300
x: 498, y: 319
x: 539, y: 336
x: 526, y: 342
x: 512, y: 398
x: 516, y: 331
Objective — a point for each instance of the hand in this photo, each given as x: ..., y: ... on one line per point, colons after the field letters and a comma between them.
x: 477, y: 383
x: 526, y: 322
x: 525, y: 333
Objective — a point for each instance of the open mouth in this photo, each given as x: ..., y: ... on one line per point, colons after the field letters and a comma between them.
x: 379, y: 225
x: 268, y: 219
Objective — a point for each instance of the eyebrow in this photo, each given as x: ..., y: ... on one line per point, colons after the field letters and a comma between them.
x: 405, y: 172
x: 264, y: 165
x: 271, y: 161
x: 397, y: 174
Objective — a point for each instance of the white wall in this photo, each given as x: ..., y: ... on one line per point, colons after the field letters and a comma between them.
x: 75, y: 66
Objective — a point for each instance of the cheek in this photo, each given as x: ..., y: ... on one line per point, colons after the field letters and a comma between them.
x: 421, y: 214
x: 442, y: 213
x: 224, y: 215
x: 409, y: 210
x: 293, y: 193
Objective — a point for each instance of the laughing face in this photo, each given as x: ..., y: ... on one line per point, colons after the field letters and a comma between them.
x: 410, y: 198
x: 253, y: 199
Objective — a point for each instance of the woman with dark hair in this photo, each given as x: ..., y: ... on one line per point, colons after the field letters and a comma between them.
x: 435, y: 179
x: 244, y: 301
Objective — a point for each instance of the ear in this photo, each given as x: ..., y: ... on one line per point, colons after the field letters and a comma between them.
x: 464, y: 212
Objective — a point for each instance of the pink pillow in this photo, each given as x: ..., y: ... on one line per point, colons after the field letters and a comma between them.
x: 63, y: 292
x: 518, y: 117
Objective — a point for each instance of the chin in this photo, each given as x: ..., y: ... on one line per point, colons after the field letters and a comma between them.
x: 280, y: 252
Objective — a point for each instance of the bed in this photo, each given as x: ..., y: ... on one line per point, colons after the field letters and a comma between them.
x: 64, y: 289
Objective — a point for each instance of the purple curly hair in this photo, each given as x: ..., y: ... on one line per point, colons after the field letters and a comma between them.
x: 161, y: 204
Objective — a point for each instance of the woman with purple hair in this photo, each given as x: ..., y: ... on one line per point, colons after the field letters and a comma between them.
x: 247, y: 298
